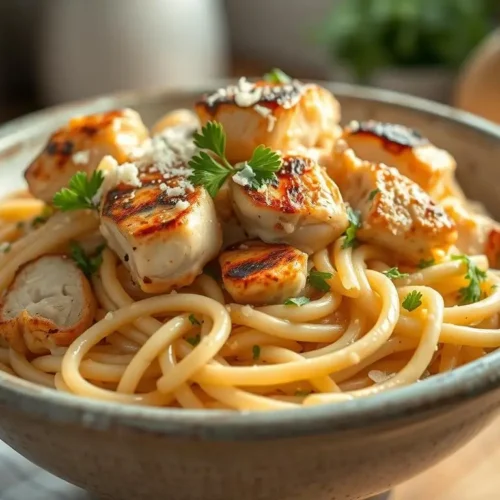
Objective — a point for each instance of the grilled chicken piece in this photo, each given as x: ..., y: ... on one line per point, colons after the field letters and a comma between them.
x: 257, y: 273
x: 395, y: 212
x: 49, y: 304
x: 403, y: 148
x: 304, y: 208
x: 80, y: 146
x: 477, y: 233
x: 164, y: 231
x: 280, y: 116
x: 179, y: 118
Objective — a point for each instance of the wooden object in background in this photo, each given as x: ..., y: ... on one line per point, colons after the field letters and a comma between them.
x: 478, y: 89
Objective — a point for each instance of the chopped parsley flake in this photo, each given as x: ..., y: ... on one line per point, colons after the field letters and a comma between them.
x: 256, y: 352
x: 393, y: 273
x: 317, y: 279
x: 412, y: 301
x: 297, y: 301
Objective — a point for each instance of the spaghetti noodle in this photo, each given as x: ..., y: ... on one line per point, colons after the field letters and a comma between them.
x: 196, y: 348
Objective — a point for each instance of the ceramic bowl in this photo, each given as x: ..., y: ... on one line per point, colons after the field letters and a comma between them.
x: 343, y: 451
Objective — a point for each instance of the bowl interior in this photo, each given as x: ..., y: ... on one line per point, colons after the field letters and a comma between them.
x: 474, y: 142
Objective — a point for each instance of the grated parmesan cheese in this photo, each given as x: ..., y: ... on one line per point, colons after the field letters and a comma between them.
x: 115, y: 174
x: 266, y: 113
x: 81, y: 157
x: 182, y: 205
x: 244, y: 176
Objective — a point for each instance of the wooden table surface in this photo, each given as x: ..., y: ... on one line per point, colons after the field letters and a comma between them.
x: 472, y: 473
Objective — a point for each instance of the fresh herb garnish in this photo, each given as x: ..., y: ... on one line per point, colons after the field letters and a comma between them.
x: 195, y: 340
x: 425, y: 263
x: 297, y: 301
x: 373, y: 194
x: 412, y: 301
x: 472, y: 292
x: 43, y: 217
x: 393, y: 273
x: 80, y: 192
x: 350, y: 233
x: 208, y: 173
x: 256, y: 352
x: 193, y: 320
x: 88, y: 264
x: 211, y: 173
x: 302, y: 393
x: 317, y: 279
x: 276, y: 75
x: 264, y: 163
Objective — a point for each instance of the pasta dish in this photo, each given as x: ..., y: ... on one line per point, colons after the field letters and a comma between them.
x: 249, y: 254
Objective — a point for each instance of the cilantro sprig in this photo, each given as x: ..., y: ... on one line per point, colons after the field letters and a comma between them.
x: 472, y: 292
x: 211, y: 173
x: 412, y: 301
x: 80, y: 192
x: 393, y: 273
x: 276, y: 75
x: 89, y: 264
x: 297, y: 301
x: 317, y: 279
x: 354, y: 219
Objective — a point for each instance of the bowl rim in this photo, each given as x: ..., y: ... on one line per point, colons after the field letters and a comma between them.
x: 465, y: 383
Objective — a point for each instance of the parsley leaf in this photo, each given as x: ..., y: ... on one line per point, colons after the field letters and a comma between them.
x: 426, y: 263
x: 88, y: 264
x: 373, y: 194
x: 302, y: 393
x: 317, y: 279
x: 394, y: 274
x: 256, y: 352
x: 79, y: 193
x: 195, y: 340
x: 213, y: 138
x: 412, y: 301
x: 208, y: 173
x: 472, y: 292
x: 276, y: 75
x: 193, y: 320
x: 211, y: 173
x: 297, y: 301
x: 264, y: 163
x: 350, y: 232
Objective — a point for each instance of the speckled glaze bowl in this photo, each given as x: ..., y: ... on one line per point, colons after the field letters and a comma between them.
x: 346, y: 451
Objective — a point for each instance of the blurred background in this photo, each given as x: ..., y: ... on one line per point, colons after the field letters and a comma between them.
x: 53, y: 51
